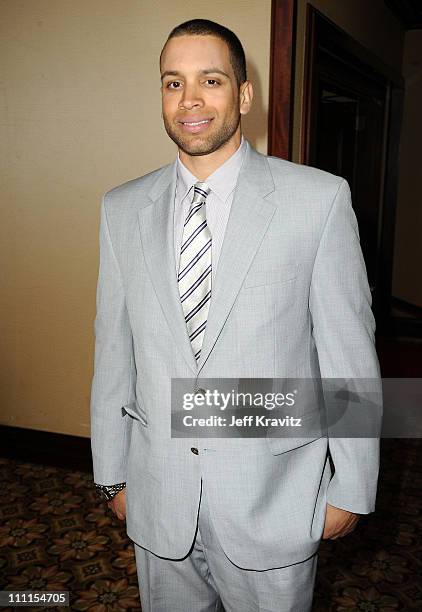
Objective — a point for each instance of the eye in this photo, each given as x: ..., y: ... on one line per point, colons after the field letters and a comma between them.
x: 212, y: 82
x: 173, y: 85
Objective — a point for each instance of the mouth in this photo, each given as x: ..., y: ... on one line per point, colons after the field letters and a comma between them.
x: 194, y: 127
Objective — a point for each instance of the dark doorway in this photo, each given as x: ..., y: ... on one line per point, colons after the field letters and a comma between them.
x: 349, y: 143
x: 352, y: 114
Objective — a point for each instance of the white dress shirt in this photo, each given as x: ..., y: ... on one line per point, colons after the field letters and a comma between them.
x: 222, y: 183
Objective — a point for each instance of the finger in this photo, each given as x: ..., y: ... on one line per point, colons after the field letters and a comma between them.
x: 351, y: 521
x: 348, y: 529
x: 345, y: 532
x: 351, y: 528
x: 333, y: 531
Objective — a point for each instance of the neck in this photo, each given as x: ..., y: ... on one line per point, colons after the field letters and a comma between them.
x: 202, y: 166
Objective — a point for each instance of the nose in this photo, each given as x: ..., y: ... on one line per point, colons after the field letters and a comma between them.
x: 191, y: 98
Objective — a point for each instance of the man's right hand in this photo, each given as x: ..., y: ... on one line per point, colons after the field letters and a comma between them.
x: 118, y: 505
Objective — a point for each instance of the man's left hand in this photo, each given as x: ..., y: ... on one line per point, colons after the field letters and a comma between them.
x: 338, y: 523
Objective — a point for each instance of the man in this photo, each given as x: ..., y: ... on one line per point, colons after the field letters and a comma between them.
x: 226, y: 263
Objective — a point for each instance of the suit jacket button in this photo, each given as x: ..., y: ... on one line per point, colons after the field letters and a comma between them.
x: 195, y: 450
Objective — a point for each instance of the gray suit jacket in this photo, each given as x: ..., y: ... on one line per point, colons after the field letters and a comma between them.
x: 291, y: 299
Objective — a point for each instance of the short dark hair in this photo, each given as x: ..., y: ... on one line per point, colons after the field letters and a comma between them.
x: 205, y: 27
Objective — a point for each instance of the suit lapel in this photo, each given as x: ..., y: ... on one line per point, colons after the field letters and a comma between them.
x: 249, y: 219
x: 156, y: 227
x: 250, y: 216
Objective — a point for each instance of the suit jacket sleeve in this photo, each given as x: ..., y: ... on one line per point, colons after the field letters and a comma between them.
x: 343, y: 329
x: 114, y: 369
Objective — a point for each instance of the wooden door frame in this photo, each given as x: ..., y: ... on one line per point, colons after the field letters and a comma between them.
x: 282, y: 73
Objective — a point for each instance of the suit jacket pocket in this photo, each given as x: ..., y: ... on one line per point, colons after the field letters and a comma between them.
x: 278, y: 446
x: 135, y: 411
x: 281, y: 274
x: 282, y: 439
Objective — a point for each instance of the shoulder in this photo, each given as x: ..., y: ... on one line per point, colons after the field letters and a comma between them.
x: 141, y: 184
x: 122, y: 201
x: 305, y: 178
x: 307, y: 192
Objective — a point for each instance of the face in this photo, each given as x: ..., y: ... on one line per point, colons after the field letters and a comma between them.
x: 201, y: 101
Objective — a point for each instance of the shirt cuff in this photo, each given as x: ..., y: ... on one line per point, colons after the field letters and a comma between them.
x: 107, y: 492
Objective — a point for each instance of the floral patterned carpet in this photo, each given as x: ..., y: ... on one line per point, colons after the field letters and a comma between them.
x: 56, y: 535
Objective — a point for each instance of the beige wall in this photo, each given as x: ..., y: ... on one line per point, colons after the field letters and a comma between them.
x: 80, y: 107
x: 370, y: 22
x: 80, y: 110
x: 407, y: 276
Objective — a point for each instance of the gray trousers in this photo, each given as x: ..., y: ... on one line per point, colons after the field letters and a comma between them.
x: 206, y: 579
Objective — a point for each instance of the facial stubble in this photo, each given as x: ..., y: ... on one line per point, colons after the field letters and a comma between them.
x: 203, y: 145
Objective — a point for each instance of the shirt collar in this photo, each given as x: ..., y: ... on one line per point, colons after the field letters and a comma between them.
x: 221, y: 182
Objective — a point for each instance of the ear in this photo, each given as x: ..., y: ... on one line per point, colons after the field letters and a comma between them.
x: 245, y: 97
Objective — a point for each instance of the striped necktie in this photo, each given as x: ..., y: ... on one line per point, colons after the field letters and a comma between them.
x: 195, y: 269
